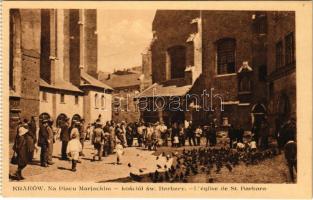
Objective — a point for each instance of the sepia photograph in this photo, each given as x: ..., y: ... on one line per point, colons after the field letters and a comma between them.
x: 187, y: 100
x: 196, y: 95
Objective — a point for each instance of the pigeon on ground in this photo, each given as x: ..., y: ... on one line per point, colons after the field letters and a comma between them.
x: 229, y: 167
x: 135, y: 177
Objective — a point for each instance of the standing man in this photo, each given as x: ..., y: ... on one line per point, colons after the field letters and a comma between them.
x: 198, y: 135
x: 43, y: 141
x: 264, y: 135
x: 112, y: 136
x: 65, y: 138
x: 206, y: 131
x: 231, y: 135
x: 212, y: 134
x: 129, y: 135
x: 98, y: 140
x: 164, y: 133
x: 50, y: 141
x: 190, y: 135
x: 82, y: 135
x: 32, y: 133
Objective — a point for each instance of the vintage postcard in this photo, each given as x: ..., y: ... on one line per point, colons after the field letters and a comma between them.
x: 157, y: 99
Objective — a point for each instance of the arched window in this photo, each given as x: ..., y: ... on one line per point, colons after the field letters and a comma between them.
x: 176, y: 61
x: 226, y: 56
x: 96, y: 100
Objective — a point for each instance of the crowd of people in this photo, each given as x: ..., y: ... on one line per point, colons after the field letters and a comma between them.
x: 111, y: 137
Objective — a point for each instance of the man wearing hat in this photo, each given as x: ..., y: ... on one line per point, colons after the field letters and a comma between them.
x: 65, y: 138
x: 82, y: 135
x: 43, y: 141
x: 50, y: 141
x: 98, y: 140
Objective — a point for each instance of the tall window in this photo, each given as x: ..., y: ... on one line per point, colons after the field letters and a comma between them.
x: 177, y: 61
x: 289, y: 51
x: 226, y: 56
x: 279, y: 54
x: 102, y: 101
x: 96, y: 100
x: 261, y: 25
x: 44, y: 96
x: 76, y: 99
x: 62, y: 98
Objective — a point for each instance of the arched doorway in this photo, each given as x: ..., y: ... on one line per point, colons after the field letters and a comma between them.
x: 258, y: 113
x: 60, y: 119
x: 44, y: 116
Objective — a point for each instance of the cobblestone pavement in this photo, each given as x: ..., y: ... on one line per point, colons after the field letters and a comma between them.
x: 89, y: 171
x: 269, y: 171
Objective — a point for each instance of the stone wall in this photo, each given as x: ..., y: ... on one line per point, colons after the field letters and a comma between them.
x: 281, y: 80
x: 165, y: 26
x: 27, y: 101
x: 90, y: 41
x: 253, y: 45
x: 128, y: 109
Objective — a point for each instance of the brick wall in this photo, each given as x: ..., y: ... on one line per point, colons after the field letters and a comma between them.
x: 166, y: 25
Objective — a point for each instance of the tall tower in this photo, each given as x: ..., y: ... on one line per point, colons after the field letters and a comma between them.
x: 90, y: 41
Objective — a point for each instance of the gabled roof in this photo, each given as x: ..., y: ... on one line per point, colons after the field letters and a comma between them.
x: 91, y: 81
x: 123, y: 81
x: 60, y: 85
x: 165, y: 90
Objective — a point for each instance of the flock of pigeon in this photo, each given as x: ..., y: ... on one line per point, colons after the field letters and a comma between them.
x: 202, y: 160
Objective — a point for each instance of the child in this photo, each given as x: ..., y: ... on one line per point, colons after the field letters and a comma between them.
x: 73, y: 148
x: 252, y: 145
x: 240, y: 146
x: 198, y: 133
x: 119, y: 152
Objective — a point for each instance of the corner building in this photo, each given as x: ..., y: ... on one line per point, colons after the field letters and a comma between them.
x: 229, y: 54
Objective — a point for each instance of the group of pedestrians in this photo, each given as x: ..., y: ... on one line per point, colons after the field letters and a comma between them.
x: 111, y: 137
x: 152, y: 135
